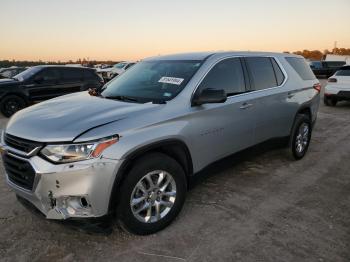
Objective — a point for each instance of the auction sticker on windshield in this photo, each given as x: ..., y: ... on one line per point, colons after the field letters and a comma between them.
x: 171, y: 80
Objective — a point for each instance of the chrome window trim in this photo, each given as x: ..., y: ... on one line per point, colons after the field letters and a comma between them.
x: 284, y: 72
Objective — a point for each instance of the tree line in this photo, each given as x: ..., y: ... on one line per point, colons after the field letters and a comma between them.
x: 308, y: 54
x: 318, y: 55
x: 8, y: 63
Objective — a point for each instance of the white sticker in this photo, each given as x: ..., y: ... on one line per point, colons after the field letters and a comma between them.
x: 171, y: 80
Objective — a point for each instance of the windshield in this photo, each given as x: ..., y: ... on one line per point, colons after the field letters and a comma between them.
x: 152, y: 81
x: 119, y: 65
x: 26, y: 74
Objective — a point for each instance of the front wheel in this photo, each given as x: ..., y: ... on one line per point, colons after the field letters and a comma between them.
x: 11, y: 104
x: 300, y: 137
x: 152, y: 194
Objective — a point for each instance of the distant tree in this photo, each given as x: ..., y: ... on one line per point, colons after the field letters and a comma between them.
x: 310, y: 54
x: 341, y: 51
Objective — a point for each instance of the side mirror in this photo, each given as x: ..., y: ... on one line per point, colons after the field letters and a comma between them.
x: 209, y: 96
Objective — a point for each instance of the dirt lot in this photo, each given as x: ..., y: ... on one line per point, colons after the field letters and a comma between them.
x: 257, y: 206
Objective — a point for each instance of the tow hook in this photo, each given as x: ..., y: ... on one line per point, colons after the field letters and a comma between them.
x: 52, y: 199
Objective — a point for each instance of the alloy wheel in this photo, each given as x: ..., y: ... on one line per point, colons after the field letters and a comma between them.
x: 302, y: 138
x: 153, y: 196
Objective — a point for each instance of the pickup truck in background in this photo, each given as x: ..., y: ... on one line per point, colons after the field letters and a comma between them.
x: 325, y: 68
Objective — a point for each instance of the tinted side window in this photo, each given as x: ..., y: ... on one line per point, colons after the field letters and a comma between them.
x: 316, y: 65
x: 89, y: 74
x: 335, y: 64
x: 278, y: 72
x: 301, y: 67
x: 71, y: 74
x: 129, y: 65
x: 227, y: 75
x: 49, y: 74
x: 262, y: 72
x: 343, y: 72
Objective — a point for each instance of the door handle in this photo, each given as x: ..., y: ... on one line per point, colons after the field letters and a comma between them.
x: 245, y: 105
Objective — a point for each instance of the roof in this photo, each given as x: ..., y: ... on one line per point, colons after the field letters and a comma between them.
x: 64, y: 66
x: 205, y: 55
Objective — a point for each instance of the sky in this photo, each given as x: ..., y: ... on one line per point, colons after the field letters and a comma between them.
x: 53, y: 30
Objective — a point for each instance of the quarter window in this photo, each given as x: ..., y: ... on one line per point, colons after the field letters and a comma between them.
x: 278, y: 72
x: 262, y: 72
x: 88, y: 74
x: 301, y: 67
x: 226, y: 75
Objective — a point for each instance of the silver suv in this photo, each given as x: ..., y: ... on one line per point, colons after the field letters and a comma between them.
x: 130, y: 148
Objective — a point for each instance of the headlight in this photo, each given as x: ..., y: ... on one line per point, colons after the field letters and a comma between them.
x: 66, y: 153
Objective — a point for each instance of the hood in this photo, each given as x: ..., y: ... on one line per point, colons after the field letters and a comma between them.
x: 5, y: 81
x: 65, y: 118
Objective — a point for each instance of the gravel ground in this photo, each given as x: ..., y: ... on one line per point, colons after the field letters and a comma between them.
x: 255, y: 206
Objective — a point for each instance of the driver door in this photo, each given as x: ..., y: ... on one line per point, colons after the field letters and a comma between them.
x: 223, y: 128
x: 45, y: 84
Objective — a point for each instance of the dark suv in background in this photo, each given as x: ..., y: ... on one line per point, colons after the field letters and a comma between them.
x: 325, y: 68
x: 44, y: 82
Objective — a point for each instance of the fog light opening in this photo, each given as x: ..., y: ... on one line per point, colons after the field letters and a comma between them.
x: 84, y: 202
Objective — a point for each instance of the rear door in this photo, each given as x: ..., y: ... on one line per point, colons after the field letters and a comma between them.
x: 72, y: 80
x: 272, y: 115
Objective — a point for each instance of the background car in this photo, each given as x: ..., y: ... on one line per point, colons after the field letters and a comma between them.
x: 325, y: 68
x: 11, y: 71
x: 117, y: 69
x: 44, y: 82
x: 338, y: 87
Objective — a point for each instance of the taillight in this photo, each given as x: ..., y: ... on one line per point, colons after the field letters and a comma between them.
x: 317, y: 87
x: 332, y: 80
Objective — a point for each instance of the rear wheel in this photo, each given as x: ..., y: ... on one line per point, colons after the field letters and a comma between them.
x: 11, y: 104
x: 152, y: 194
x: 330, y: 101
x: 300, y: 137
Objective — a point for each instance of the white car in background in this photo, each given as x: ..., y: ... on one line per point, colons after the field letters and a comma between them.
x: 338, y: 87
x: 115, y: 70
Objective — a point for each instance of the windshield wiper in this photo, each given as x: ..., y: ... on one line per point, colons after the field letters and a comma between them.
x: 122, y: 98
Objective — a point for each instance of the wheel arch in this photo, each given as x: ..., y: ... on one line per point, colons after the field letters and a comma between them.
x: 304, y: 109
x: 21, y: 95
x: 174, y: 148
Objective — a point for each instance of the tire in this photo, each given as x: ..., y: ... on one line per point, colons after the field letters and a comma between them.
x: 147, y: 200
x: 11, y: 104
x: 330, y: 101
x: 299, y: 140
x: 326, y: 101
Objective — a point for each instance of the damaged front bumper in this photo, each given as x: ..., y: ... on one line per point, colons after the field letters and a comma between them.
x: 80, y: 190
